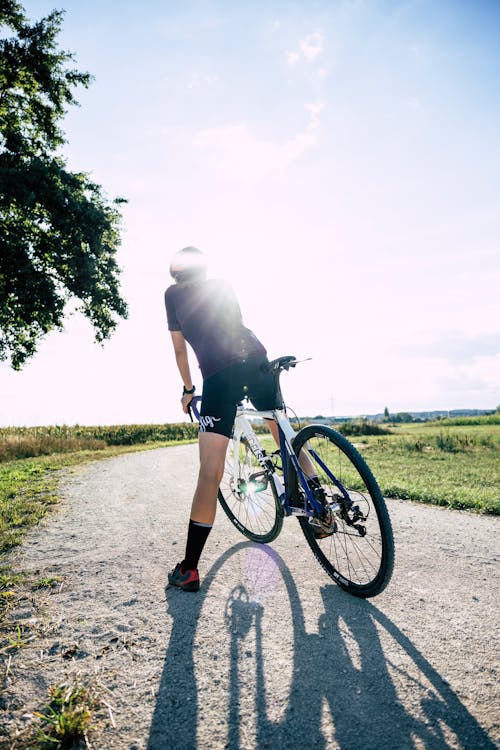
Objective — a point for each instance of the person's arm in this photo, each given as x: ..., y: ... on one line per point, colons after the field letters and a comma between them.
x: 181, y: 357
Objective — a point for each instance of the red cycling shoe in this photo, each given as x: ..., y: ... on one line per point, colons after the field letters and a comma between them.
x: 187, y: 580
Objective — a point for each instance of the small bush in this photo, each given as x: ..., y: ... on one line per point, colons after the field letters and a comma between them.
x: 363, y: 427
x: 453, y: 443
x: 418, y: 445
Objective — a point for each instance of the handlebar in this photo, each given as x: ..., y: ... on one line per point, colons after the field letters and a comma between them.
x: 193, y: 408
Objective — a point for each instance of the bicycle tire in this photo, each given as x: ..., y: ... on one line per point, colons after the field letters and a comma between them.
x: 257, y: 515
x: 360, y: 563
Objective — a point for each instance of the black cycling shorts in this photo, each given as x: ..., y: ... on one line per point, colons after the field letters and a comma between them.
x: 223, y: 391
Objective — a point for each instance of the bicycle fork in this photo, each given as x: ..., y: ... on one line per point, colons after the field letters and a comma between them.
x: 257, y: 482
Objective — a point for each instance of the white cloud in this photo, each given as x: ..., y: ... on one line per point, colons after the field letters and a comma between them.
x: 314, y: 109
x: 311, y: 46
x: 241, y: 154
x: 308, y: 49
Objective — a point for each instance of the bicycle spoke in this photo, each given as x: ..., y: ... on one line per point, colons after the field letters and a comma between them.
x: 255, y: 514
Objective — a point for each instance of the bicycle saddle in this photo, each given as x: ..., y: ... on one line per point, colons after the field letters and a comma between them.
x: 281, y: 363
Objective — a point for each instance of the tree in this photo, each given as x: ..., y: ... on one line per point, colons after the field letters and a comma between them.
x: 58, y: 232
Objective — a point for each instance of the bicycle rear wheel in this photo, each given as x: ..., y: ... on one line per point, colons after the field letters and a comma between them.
x: 248, y: 496
x: 357, y: 549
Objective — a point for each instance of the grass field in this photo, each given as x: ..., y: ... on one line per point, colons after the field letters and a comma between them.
x: 457, y: 466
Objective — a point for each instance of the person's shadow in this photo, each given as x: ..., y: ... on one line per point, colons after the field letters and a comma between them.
x: 354, y: 663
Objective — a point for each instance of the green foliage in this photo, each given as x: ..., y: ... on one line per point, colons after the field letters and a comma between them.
x: 26, y: 492
x: 17, y: 641
x: 58, y: 233
x: 25, y: 442
x: 47, y: 582
x: 133, y: 434
x: 8, y: 578
x: 454, y: 468
x: 445, y: 441
x: 400, y: 416
x: 66, y: 719
x: 484, y: 419
x: 14, y: 446
x: 9, y: 581
x: 361, y: 427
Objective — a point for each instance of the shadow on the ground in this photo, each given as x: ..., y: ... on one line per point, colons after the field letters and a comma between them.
x: 354, y: 663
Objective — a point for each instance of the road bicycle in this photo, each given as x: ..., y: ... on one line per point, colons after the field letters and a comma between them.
x: 318, y: 476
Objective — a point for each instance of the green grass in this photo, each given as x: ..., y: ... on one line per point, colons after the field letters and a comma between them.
x: 47, y: 583
x: 453, y: 466
x: 467, y: 421
x: 65, y: 720
x: 438, y: 469
x: 27, y: 490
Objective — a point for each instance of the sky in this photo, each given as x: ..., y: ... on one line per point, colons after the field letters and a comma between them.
x: 339, y: 163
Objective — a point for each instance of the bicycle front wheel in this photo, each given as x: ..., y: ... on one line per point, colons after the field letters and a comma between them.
x: 353, y: 539
x: 248, y: 496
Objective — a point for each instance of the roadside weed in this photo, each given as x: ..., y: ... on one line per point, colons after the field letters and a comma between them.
x: 64, y: 721
x: 18, y: 640
x: 47, y: 583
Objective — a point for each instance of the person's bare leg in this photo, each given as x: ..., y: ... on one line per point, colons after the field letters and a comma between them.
x: 304, y: 460
x: 212, y: 456
x: 212, y: 449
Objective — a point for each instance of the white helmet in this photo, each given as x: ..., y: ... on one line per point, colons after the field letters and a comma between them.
x: 188, y: 264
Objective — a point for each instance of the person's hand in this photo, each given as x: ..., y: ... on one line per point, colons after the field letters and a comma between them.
x: 186, y: 400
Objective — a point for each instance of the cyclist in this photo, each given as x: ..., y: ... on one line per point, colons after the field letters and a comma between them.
x: 205, y: 313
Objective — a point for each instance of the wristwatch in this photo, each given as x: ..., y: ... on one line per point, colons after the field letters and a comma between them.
x: 186, y: 390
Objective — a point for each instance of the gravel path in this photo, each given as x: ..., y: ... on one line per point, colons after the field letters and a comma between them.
x: 270, y: 653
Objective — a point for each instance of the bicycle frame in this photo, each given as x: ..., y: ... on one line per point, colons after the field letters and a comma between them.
x: 291, y: 466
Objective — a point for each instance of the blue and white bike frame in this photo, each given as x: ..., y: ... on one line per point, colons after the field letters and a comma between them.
x: 285, y: 489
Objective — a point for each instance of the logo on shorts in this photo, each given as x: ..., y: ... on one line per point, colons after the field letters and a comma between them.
x: 208, y: 423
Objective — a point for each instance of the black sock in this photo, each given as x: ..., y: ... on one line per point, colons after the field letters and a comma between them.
x: 197, y: 536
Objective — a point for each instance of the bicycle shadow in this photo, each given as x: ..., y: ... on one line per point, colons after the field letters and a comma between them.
x: 351, y: 668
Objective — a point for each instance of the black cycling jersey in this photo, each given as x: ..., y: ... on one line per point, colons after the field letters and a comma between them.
x: 208, y: 315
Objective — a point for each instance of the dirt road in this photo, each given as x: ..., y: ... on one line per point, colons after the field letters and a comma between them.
x: 270, y: 653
